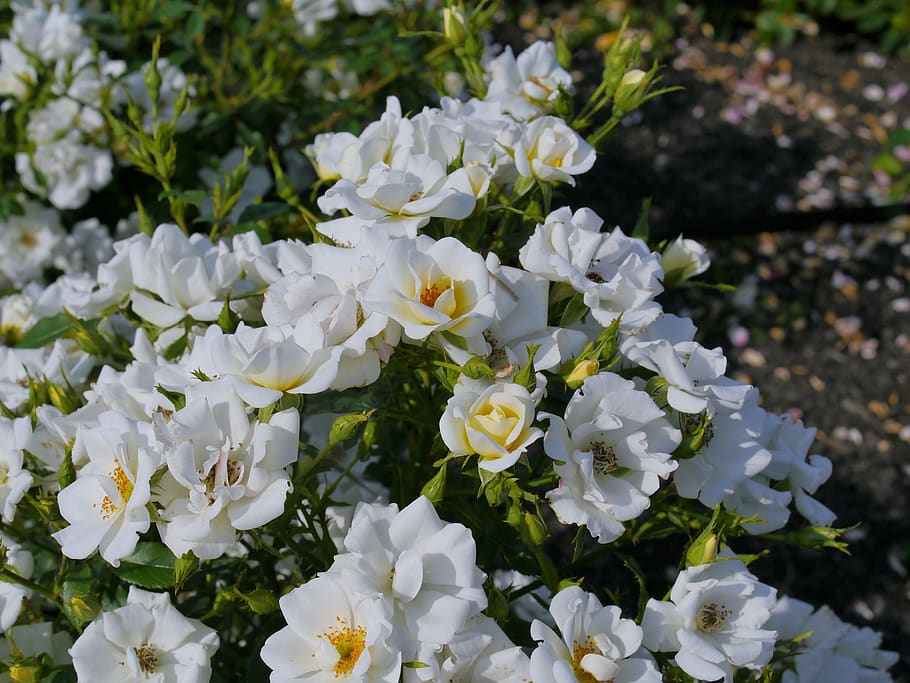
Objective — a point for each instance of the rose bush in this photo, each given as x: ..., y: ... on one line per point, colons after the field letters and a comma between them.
x: 246, y: 437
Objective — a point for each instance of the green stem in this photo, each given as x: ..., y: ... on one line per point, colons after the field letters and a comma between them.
x: 12, y: 577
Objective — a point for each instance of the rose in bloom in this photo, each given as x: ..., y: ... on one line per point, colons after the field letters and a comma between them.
x: 552, y: 152
x: 106, y: 506
x: 424, y: 568
x: 480, y: 653
x: 29, y: 243
x: 262, y: 363
x: 398, y: 200
x: 713, y: 621
x: 596, y: 644
x: 616, y: 275
x: 225, y: 472
x: 145, y: 640
x: 528, y: 85
x: 494, y: 422
x: 175, y: 276
x: 521, y: 320
x: 66, y: 165
x: 731, y: 453
x: 694, y: 374
x: 789, y: 441
x: 829, y: 650
x: 612, y: 450
x: 332, y: 635
x: 429, y: 287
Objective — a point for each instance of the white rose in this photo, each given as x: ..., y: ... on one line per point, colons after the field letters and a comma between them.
x: 552, y: 152
x: 429, y: 287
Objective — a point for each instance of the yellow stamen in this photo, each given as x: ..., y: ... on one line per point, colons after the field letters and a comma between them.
x: 429, y: 294
x: 124, y: 485
x: 578, y: 653
x: 108, y: 509
x: 350, y: 644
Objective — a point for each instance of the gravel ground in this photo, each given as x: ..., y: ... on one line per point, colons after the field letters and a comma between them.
x: 820, y: 323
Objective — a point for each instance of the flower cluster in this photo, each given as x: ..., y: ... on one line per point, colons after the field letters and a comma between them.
x: 273, y: 421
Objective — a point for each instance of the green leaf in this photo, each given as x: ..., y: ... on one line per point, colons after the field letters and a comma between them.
x: 66, y: 474
x: 525, y: 376
x: 176, y: 347
x: 642, y: 226
x: 184, y: 567
x: 888, y: 163
x: 578, y: 543
x: 151, y: 566
x: 45, y: 331
x: 260, y: 601
x: 264, y: 211
x: 196, y: 24
x: 227, y: 319
x: 633, y: 567
x: 176, y: 398
x: 174, y: 9
x: 522, y: 186
x: 194, y: 197
x: 574, y: 310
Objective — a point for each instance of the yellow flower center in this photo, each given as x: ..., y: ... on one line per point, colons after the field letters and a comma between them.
x: 349, y: 643
x: 496, y: 422
x: 107, y: 507
x: 431, y: 293
x: 578, y: 653
x: 123, y: 483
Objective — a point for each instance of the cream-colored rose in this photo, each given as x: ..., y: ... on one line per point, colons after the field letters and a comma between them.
x: 552, y: 152
x: 494, y: 423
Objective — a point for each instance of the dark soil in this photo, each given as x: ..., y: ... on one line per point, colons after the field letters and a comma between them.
x: 757, y: 140
x: 827, y: 339
x: 821, y: 319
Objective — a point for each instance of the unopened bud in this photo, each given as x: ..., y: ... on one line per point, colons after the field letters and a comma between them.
x: 435, y: 489
x: 631, y: 90
x: 453, y: 25
x: 710, y: 551
x: 152, y: 79
x: 534, y: 529
x: 683, y: 259
x: 22, y: 673
x: 632, y: 78
x: 64, y: 399
x: 83, y: 607
x: 582, y: 370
